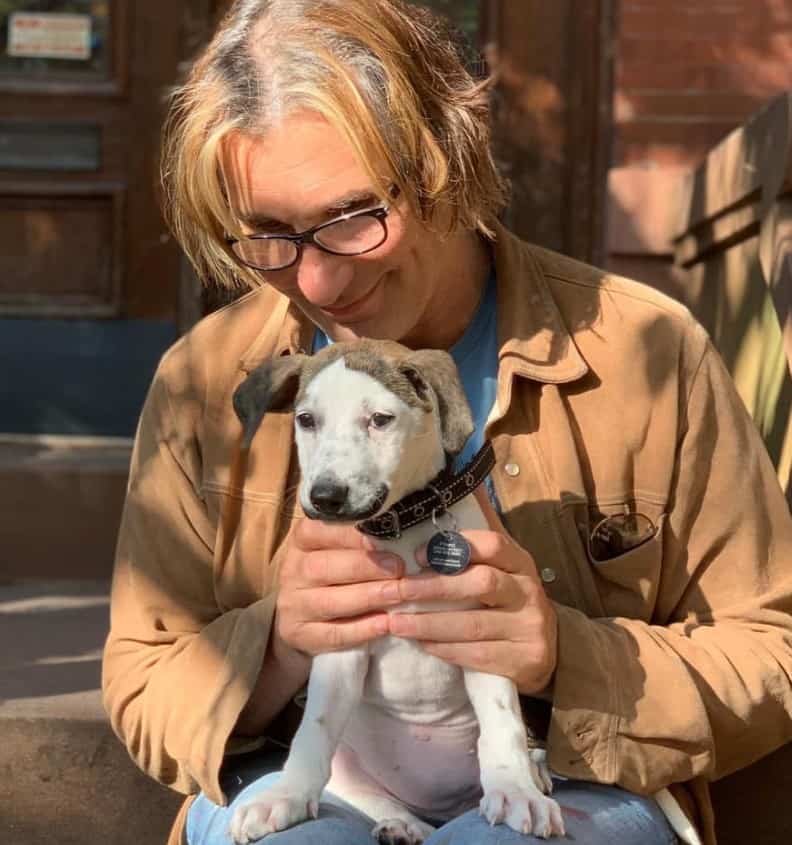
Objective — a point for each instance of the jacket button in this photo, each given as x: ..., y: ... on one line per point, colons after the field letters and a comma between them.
x: 548, y: 575
x: 512, y: 469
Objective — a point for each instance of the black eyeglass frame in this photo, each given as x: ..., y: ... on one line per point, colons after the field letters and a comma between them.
x: 301, y: 239
x: 613, y: 552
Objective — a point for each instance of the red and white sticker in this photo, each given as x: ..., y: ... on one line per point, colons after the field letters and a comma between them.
x: 49, y: 36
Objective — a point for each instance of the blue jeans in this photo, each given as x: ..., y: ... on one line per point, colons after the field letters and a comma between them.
x: 593, y: 815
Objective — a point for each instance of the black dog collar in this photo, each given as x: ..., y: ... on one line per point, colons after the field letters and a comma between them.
x: 434, y: 499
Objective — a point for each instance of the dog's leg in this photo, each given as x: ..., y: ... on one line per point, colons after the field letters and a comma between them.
x: 510, y: 779
x: 334, y: 690
x: 394, y: 823
x: 396, y: 830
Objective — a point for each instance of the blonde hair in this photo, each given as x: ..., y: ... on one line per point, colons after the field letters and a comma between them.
x: 387, y: 74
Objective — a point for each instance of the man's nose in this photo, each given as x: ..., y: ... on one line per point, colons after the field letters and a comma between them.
x: 322, y: 278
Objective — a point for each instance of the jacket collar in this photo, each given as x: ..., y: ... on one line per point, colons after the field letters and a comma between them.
x: 534, y: 341
x: 286, y: 331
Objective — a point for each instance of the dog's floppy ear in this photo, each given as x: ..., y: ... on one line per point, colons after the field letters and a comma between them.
x: 272, y: 386
x: 435, y: 369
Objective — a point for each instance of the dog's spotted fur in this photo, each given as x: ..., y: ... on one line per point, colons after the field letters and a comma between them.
x: 387, y: 727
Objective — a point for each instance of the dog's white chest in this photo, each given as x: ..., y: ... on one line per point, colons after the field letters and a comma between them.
x: 415, y: 731
x: 408, y: 683
x: 402, y: 678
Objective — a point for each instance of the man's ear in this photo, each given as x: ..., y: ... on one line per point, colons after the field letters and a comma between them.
x: 272, y: 386
x: 435, y: 369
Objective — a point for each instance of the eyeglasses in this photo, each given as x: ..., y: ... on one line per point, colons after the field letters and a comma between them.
x: 615, y: 535
x: 355, y: 233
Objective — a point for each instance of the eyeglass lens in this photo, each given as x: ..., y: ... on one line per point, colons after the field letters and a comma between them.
x: 353, y: 236
x: 620, y: 533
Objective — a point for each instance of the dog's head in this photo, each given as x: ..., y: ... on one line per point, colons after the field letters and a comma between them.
x: 374, y: 421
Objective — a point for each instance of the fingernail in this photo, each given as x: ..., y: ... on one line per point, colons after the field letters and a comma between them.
x: 420, y: 557
x: 390, y: 563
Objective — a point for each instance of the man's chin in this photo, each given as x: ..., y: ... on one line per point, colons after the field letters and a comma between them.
x: 380, y: 325
x: 372, y: 329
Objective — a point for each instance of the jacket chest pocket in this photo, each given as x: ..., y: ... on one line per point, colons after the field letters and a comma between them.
x: 253, y: 506
x: 618, y: 550
x: 251, y: 530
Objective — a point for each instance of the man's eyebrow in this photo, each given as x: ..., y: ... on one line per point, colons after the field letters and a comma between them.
x: 357, y: 200
x: 352, y: 202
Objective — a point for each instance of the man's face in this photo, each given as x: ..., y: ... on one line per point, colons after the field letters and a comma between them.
x: 304, y: 173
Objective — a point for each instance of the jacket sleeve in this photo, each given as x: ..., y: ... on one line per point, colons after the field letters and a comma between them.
x: 177, y: 670
x: 707, y: 688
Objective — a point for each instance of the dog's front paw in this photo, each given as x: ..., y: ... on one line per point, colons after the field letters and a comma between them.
x: 271, y: 811
x: 524, y: 810
x: 401, y: 832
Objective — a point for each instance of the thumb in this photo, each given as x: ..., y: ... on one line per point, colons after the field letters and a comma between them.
x: 490, y: 514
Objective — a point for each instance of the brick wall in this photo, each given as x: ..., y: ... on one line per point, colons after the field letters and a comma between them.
x: 686, y: 72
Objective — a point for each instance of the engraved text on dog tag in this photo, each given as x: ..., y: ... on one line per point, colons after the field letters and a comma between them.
x: 448, y: 553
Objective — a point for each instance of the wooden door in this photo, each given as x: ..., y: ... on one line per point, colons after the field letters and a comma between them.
x: 89, y: 277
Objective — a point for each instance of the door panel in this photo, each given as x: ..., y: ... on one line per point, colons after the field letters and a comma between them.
x: 89, y: 278
x: 81, y: 229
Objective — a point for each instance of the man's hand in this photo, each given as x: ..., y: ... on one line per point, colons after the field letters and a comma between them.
x: 334, y: 588
x: 515, y: 632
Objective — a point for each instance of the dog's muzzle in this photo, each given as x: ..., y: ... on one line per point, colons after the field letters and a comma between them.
x: 329, y: 498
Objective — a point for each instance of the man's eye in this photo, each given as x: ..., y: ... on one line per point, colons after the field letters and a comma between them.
x: 306, y: 421
x: 379, y: 420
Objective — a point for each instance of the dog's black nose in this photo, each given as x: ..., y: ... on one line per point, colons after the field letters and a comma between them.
x: 329, y: 497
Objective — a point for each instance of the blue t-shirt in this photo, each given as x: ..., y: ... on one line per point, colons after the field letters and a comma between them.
x: 476, y: 357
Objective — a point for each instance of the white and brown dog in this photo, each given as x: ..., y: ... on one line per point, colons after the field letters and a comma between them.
x: 387, y: 727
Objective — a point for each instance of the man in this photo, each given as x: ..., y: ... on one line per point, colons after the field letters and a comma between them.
x: 334, y: 157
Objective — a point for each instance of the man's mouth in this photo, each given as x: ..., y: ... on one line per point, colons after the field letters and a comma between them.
x: 353, y: 310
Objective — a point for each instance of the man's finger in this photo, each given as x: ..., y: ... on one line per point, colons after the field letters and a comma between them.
x: 484, y: 584
x: 319, y: 637
x: 490, y: 514
x: 331, y: 567
x: 351, y: 600
x: 491, y: 658
x: 495, y: 657
x: 451, y: 626
x: 312, y: 535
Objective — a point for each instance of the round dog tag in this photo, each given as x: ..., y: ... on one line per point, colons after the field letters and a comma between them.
x: 448, y: 553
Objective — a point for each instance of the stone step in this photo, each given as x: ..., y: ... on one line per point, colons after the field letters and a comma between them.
x: 64, y: 776
x: 62, y: 501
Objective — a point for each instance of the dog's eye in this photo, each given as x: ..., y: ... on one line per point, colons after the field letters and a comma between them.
x: 379, y: 420
x: 305, y: 421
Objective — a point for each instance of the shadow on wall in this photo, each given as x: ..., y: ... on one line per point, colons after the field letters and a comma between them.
x: 725, y: 289
x: 53, y: 635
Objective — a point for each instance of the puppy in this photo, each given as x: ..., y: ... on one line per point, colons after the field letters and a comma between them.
x: 388, y: 728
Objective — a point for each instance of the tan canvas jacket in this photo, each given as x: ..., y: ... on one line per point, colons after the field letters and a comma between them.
x: 675, y: 658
